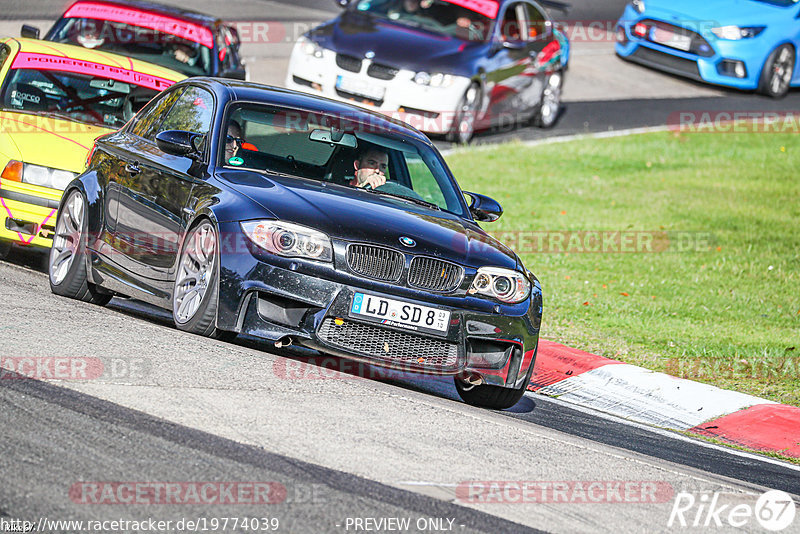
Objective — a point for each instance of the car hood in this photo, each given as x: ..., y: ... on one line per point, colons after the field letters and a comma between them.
x: 719, y: 12
x: 394, y: 44
x: 48, y: 141
x: 359, y: 216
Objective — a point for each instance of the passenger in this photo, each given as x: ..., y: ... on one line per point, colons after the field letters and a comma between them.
x: 233, y: 141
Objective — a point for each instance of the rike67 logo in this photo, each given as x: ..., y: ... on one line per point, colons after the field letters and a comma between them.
x: 774, y: 511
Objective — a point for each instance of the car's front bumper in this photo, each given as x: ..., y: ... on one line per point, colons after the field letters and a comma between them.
x: 715, y: 65
x: 276, y: 299
x: 428, y: 109
x: 28, y: 215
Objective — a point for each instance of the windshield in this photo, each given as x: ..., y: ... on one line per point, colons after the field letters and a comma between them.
x: 450, y: 17
x: 148, y: 44
x: 101, y: 100
x: 338, y: 151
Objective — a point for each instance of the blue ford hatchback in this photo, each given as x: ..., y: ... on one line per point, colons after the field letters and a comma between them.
x: 744, y: 44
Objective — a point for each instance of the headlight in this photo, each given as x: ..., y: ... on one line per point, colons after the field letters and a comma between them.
x: 505, y: 285
x: 436, y: 79
x: 734, y: 33
x: 638, y: 5
x: 309, y: 47
x: 291, y: 240
x: 37, y: 175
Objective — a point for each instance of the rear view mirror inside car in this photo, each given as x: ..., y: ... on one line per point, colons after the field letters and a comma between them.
x: 334, y: 137
x: 111, y: 85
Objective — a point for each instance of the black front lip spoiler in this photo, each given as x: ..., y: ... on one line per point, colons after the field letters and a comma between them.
x: 29, y: 199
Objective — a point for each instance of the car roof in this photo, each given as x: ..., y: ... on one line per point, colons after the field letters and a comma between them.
x: 235, y: 90
x: 35, y: 46
x: 162, y: 9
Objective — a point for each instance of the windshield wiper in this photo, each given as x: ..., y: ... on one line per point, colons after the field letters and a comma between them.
x: 418, y: 201
x: 67, y: 116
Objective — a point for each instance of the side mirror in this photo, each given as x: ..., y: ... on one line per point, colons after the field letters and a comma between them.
x: 483, y: 208
x: 514, y: 45
x: 31, y: 32
x: 180, y: 143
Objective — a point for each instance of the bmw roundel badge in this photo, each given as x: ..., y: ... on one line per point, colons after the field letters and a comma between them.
x: 407, y: 241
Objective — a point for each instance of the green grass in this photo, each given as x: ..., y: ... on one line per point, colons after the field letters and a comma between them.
x: 726, y: 312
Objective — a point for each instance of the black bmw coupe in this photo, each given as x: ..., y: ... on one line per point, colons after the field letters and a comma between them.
x: 246, y: 209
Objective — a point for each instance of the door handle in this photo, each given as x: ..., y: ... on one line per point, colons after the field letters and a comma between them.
x: 133, y: 168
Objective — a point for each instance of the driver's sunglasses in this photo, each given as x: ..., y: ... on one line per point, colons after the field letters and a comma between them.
x: 229, y: 140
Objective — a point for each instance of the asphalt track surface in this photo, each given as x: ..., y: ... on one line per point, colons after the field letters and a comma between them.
x: 59, y: 433
x: 76, y: 434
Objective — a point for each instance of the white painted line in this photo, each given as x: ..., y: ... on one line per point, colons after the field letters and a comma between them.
x: 558, y: 139
x: 648, y: 397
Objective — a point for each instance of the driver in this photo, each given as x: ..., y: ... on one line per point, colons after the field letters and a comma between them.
x: 410, y: 7
x: 89, y: 35
x: 371, y: 166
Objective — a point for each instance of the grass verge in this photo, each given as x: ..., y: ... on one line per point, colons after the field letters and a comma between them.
x: 715, y: 297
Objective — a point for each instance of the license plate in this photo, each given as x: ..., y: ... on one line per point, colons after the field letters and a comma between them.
x: 672, y: 39
x: 400, y: 314
x: 360, y: 87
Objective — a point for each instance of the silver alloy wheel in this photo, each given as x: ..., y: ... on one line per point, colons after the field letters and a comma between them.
x: 551, y: 100
x: 67, y: 237
x: 467, y: 115
x: 782, y: 70
x: 196, y: 272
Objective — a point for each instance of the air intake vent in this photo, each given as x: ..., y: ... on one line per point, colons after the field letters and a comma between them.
x: 383, y: 344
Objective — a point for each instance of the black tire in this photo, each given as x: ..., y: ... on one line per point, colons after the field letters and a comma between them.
x: 492, y: 397
x: 776, y: 76
x: 191, y: 316
x: 548, y: 110
x: 5, y: 249
x: 466, y: 116
x: 66, y: 265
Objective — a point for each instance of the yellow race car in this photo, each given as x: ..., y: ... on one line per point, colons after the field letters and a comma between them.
x: 55, y: 100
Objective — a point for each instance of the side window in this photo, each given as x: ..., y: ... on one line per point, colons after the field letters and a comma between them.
x: 422, y: 179
x: 192, y: 112
x: 537, y: 22
x: 150, y: 118
x: 228, y: 57
x: 514, y: 27
x: 4, y: 52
